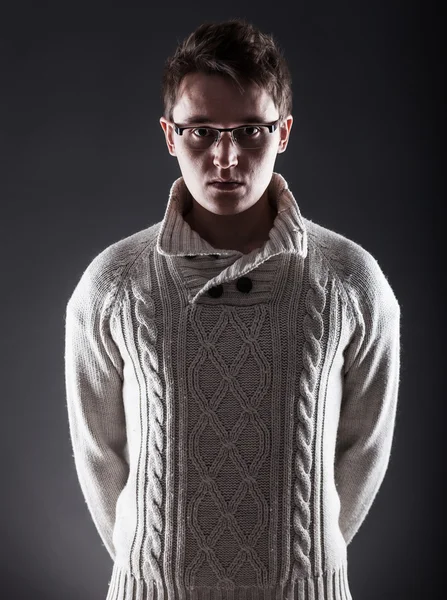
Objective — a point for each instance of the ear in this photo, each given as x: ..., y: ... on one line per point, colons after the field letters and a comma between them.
x: 284, y: 131
x: 169, y: 135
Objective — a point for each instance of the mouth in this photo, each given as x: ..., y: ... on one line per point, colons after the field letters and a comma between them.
x: 226, y: 185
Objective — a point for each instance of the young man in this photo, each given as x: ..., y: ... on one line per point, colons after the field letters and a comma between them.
x: 232, y: 371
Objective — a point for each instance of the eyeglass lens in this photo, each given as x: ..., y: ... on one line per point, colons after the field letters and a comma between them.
x: 201, y: 138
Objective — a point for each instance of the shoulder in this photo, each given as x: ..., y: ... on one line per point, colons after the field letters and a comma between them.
x: 360, y: 277
x: 104, y: 276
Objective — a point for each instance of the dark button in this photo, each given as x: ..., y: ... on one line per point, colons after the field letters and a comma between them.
x: 191, y: 256
x: 244, y: 284
x: 216, y: 291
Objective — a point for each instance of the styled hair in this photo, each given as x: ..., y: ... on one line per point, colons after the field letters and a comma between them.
x: 234, y: 49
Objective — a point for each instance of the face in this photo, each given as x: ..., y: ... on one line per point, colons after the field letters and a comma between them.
x: 220, y: 101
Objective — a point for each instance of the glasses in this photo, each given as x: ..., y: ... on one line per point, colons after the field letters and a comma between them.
x: 248, y: 137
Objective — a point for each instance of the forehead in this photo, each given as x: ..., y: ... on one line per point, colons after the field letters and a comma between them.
x: 220, y: 100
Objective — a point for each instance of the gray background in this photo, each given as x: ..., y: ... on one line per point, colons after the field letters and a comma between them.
x: 84, y: 163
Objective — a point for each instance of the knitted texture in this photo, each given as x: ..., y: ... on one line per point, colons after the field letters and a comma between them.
x: 313, y: 333
x: 231, y: 415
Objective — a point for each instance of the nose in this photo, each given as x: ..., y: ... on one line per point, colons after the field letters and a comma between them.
x: 225, y: 151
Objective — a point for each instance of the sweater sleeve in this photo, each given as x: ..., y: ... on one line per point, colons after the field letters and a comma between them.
x: 370, y: 392
x: 93, y: 375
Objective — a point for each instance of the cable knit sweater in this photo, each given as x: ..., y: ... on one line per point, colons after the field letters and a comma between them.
x: 231, y: 415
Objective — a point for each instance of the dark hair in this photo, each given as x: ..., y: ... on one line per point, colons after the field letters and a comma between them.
x: 235, y: 49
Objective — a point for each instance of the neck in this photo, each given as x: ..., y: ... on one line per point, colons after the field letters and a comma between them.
x: 242, y: 232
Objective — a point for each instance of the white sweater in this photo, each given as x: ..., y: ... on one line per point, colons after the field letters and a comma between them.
x: 231, y: 415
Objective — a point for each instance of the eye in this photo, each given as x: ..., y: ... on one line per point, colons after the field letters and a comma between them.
x: 204, y: 130
x: 250, y: 131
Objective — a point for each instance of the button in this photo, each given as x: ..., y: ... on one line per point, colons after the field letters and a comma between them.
x: 244, y: 284
x: 191, y: 256
x: 216, y: 291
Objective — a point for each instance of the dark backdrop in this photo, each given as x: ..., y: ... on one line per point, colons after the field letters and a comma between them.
x: 84, y: 163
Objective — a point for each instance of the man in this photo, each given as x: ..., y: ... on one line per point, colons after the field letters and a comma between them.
x: 239, y: 217
x: 232, y: 371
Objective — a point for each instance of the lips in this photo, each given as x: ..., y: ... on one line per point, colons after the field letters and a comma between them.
x: 225, y: 181
x: 226, y: 188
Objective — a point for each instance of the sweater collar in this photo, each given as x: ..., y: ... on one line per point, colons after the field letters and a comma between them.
x: 288, y: 234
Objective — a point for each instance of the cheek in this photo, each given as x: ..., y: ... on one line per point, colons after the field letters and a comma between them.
x: 195, y: 170
x: 263, y: 160
x: 273, y: 151
x: 189, y: 163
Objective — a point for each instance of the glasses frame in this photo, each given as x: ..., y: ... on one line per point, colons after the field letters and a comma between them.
x: 180, y: 129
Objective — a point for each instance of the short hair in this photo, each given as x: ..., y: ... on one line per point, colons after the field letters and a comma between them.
x: 234, y: 49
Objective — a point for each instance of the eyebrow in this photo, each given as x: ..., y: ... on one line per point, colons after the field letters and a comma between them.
x: 205, y: 119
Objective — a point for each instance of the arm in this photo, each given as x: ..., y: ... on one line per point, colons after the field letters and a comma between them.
x: 93, y: 375
x: 369, y: 402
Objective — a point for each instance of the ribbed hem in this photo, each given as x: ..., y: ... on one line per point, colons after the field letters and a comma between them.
x: 332, y: 585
